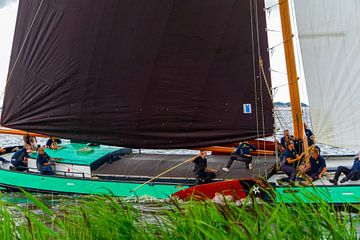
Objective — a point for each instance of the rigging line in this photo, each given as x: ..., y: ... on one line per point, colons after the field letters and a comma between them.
x: 254, y: 67
x: 261, y: 64
x: 282, y: 126
x: 25, y: 39
x: 159, y: 175
x: 271, y: 96
x: 285, y: 84
x: 282, y: 120
x: 276, y: 71
x: 272, y: 30
x: 272, y: 6
x: 275, y: 90
x: 276, y: 45
x: 282, y: 123
x: 281, y: 43
x: 260, y: 76
x: 288, y: 123
x: 273, y: 108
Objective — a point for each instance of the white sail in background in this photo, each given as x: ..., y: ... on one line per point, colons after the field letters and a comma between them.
x: 329, y: 33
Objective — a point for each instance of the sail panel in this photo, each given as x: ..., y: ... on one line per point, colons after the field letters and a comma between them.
x: 138, y: 73
x: 330, y: 48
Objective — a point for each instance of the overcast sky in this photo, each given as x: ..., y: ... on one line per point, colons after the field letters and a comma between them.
x: 8, y: 10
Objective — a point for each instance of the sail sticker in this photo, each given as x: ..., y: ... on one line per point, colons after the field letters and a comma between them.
x: 247, y: 108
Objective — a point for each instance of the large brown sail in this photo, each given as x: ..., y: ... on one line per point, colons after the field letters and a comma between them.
x: 139, y: 73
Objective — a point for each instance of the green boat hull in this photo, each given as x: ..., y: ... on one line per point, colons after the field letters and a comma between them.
x: 53, y: 184
x: 344, y: 194
x: 11, y: 180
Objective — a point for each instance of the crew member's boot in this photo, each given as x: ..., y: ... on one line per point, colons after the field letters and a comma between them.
x: 333, y: 181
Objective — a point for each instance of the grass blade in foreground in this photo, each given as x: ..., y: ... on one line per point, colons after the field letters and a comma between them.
x: 112, y: 218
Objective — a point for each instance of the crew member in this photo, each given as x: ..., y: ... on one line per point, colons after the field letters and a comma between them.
x: 20, y: 160
x: 289, y: 158
x: 316, y: 166
x: 43, y: 163
x: 309, y: 135
x: 203, y: 174
x: 53, y: 142
x: 243, y: 154
x: 350, y: 174
x: 287, y: 137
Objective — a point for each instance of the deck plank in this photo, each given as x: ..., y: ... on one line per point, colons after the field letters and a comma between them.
x: 150, y: 165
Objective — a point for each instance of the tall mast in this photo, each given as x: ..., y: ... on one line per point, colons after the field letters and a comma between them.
x: 291, y: 69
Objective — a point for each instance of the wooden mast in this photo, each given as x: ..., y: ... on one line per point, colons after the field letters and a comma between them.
x: 291, y: 69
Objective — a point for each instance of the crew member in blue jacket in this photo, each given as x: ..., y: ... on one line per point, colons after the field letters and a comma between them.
x: 289, y: 158
x: 243, y: 154
x: 287, y: 137
x: 20, y: 160
x: 309, y: 135
x: 351, y: 174
x: 43, y: 163
x: 317, y: 166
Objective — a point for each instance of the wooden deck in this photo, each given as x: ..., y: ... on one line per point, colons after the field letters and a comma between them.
x: 150, y: 165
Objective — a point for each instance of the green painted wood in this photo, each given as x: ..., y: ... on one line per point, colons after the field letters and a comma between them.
x: 72, y: 153
x: 84, y: 186
x: 329, y: 194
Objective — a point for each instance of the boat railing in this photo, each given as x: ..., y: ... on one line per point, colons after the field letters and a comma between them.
x: 65, y: 173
